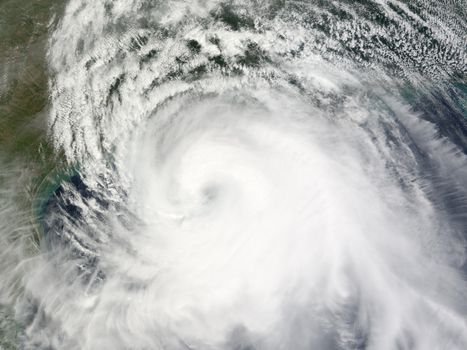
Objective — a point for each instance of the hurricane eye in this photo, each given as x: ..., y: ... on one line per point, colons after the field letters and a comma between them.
x: 233, y: 175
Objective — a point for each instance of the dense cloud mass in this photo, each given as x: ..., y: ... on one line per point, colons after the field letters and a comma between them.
x: 254, y: 175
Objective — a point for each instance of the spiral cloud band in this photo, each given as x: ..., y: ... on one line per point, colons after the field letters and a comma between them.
x: 250, y: 176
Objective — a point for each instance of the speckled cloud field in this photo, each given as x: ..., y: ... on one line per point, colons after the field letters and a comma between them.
x: 251, y: 175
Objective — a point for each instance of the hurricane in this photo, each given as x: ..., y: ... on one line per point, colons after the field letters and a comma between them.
x: 247, y: 175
